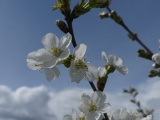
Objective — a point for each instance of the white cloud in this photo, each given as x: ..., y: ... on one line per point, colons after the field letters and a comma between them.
x: 41, y: 103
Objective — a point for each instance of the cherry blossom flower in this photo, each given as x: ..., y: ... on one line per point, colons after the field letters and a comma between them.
x: 75, y: 116
x: 156, y: 58
x: 124, y: 114
x: 79, y: 69
x: 41, y: 60
x: 93, y: 107
x: 56, y: 48
x: 116, y: 62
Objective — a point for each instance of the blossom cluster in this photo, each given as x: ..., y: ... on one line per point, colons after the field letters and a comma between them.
x: 57, y: 52
x: 94, y: 107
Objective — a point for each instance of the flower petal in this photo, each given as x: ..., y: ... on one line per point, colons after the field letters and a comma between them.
x: 65, y: 41
x: 79, y: 51
x: 156, y: 57
x: 114, y: 60
x: 83, y: 104
x: 64, y: 54
x: 102, y: 72
x: 50, y: 40
x: 43, y: 55
x: 103, y: 108
x: 104, y: 56
x: 91, y: 73
x: 51, y: 73
x: 99, y: 97
x: 34, y: 65
x: 76, y: 75
x: 51, y: 63
x: 122, y: 69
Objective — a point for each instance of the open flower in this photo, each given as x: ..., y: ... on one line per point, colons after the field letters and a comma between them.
x: 41, y: 60
x: 75, y: 116
x: 124, y: 114
x: 93, y: 107
x: 116, y: 62
x: 156, y: 58
x: 79, y: 69
x: 57, y: 49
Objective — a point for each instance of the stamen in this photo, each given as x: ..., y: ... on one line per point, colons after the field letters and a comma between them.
x: 92, y: 106
x: 57, y: 52
x: 79, y: 64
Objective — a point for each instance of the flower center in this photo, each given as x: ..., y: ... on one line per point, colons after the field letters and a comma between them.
x: 92, y: 106
x: 79, y: 64
x: 82, y: 117
x: 57, y: 52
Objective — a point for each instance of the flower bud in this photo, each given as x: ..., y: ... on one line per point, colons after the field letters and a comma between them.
x: 115, y: 17
x: 62, y: 26
x: 144, y: 54
x: 103, y: 15
x: 79, y: 10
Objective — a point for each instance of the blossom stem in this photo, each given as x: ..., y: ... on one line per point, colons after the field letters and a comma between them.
x: 69, y: 21
x: 132, y: 34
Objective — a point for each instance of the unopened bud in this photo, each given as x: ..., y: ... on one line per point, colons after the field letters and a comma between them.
x: 103, y: 15
x: 156, y: 65
x: 62, y: 26
x: 115, y: 17
x: 144, y: 54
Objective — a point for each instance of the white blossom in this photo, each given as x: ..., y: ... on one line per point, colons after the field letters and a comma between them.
x: 116, y: 62
x: 124, y: 114
x: 93, y: 107
x: 58, y: 49
x: 41, y: 60
x: 75, y: 116
x: 79, y: 68
x: 156, y: 58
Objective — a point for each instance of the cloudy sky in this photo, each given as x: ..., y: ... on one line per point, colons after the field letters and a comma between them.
x: 27, y: 95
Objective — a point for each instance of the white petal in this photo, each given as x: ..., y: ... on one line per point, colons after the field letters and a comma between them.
x: 114, y: 60
x: 103, y: 108
x: 91, y: 73
x: 64, y: 54
x: 99, y: 97
x: 102, y: 71
x: 76, y: 75
x: 50, y: 40
x: 51, y: 63
x: 36, y: 59
x: 93, y: 116
x: 67, y: 117
x: 156, y: 57
x: 43, y: 55
x: 32, y: 64
x: 65, y: 41
x: 51, y: 73
x: 122, y: 69
x: 31, y: 56
x: 79, y: 51
x: 83, y: 108
x: 104, y: 56
x: 56, y: 71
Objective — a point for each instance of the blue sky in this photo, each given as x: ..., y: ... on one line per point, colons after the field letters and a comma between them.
x: 24, y: 23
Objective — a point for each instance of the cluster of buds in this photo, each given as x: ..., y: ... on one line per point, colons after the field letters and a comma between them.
x: 81, y: 7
